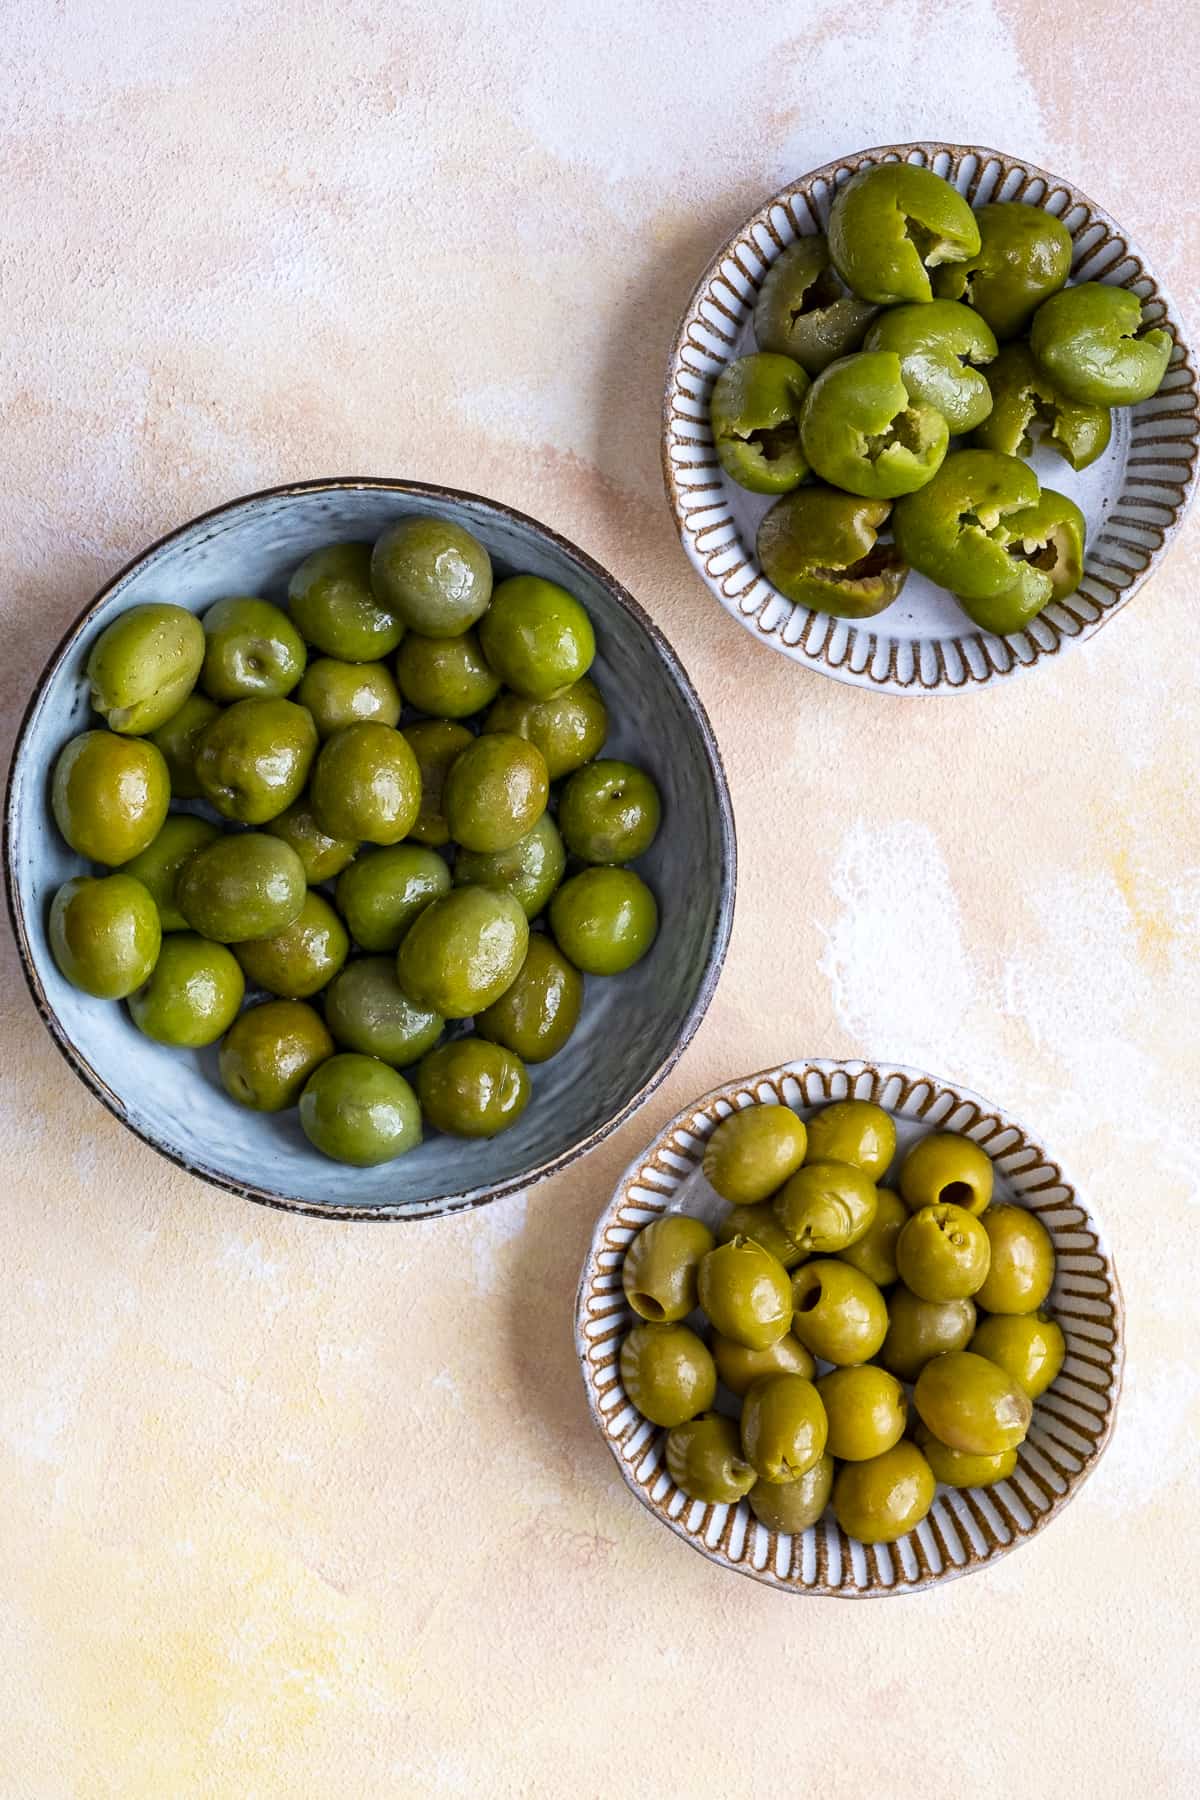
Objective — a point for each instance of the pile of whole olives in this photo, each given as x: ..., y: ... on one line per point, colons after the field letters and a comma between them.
x: 826, y: 1295
x: 915, y: 322
x: 326, y: 849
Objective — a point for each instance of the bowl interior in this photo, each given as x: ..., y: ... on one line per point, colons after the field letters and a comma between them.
x: 1132, y: 498
x: 966, y: 1528
x: 632, y: 1026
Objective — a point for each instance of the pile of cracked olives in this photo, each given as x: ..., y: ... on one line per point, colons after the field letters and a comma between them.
x: 391, y: 820
x: 863, y: 1342
x: 906, y: 363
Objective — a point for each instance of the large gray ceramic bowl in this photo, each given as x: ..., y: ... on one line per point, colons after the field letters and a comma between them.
x: 634, y: 1027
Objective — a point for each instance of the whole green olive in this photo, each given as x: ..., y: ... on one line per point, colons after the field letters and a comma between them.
x: 746, y: 1293
x: 886, y: 1497
x: 853, y: 1131
x: 323, y: 856
x: 448, y: 677
x: 537, y: 637
x: 958, y: 1468
x: 605, y: 920
x: 875, y: 1252
x: 740, y: 1367
x: 270, y: 1051
x: 921, y: 1329
x: 1021, y: 1272
x: 1093, y: 343
x: 437, y: 744
x: 252, y: 651
x: 821, y: 548
x: 1024, y: 255
x: 530, y: 870
x: 751, y: 1154
x: 755, y: 417
x: 947, y: 1169
x: 840, y: 1315
x: 759, y: 1224
x: 367, y: 1010
x: 971, y: 1404
x: 253, y: 759
x: 825, y: 1206
x: 783, y: 1427
x: 704, y: 1459
x: 333, y: 604
x: 347, y: 693
x: 667, y: 1373
x: 300, y: 960
x: 144, y: 665
x: 179, y: 739
x: 157, y: 866
x: 192, y: 995
x: 867, y: 1411
x: 366, y: 785
x: 433, y: 575
x: 104, y: 934
x: 805, y: 310
x: 382, y: 892
x: 941, y: 346
x: 463, y: 951
x: 495, y: 792
x: 109, y: 795
x: 471, y: 1088
x: 658, y: 1274
x: 535, y: 1017
x: 890, y: 224
x: 1029, y: 1346
x: 358, y: 1110
x: 568, y: 729
x: 943, y: 1253
x: 609, y: 812
x: 864, y: 431
x: 243, y: 886
x: 793, y: 1506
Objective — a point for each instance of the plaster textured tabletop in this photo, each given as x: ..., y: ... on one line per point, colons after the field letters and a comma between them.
x: 295, y: 1509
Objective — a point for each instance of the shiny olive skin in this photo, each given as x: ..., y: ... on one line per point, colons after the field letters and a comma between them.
x: 104, y: 934
x: 530, y: 870
x: 740, y: 1367
x: 840, y: 1315
x: 821, y: 548
x: 947, y: 1169
x: 1024, y: 256
x: 704, y: 1459
x: 537, y: 637
x: 335, y: 610
x: 759, y: 1224
x: 367, y: 1010
x: 746, y: 1293
x: 495, y: 792
x: 535, y: 1017
x: 755, y: 418
x: 470, y: 1088
x: 948, y: 529
x: 875, y: 1252
x: 805, y: 310
x: 886, y: 1497
x: 366, y: 785
x: 463, y: 951
x: 383, y: 891
x: 243, y: 886
x: 668, y: 1374
x: 605, y: 920
x: 825, y: 1206
x: 867, y: 1411
x: 792, y: 1506
x: 943, y: 1253
x: 144, y: 665
x: 447, y: 677
x: 1028, y: 408
x: 437, y: 744
x: 941, y: 346
x: 972, y: 1405
x: 1046, y: 540
x: 193, y: 994
x: 863, y: 431
x: 253, y: 760
x: 921, y: 1329
x: 323, y: 856
x: 109, y: 795
x: 958, y: 1468
x: 346, y: 693
x: 270, y: 1051
x: 1028, y: 1346
x: 609, y: 812
x: 853, y: 1131
x: 661, y: 1265
x: 750, y: 1154
x: 179, y: 739
x: 1022, y: 1261
x: 569, y: 729
x: 783, y: 1428
x: 891, y: 224
x: 252, y: 651
x: 433, y: 575
x: 300, y: 960
x: 158, y: 865
x: 1091, y: 342
x: 357, y: 1110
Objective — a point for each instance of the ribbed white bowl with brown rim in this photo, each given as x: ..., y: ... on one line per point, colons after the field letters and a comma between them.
x: 967, y: 1528
x: 1133, y: 499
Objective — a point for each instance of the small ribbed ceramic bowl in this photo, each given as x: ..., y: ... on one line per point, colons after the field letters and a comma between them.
x: 1134, y: 498
x: 633, y: 1028
x: 967, y: 1528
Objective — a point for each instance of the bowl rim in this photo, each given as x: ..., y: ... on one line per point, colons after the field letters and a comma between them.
x: 469, y: 1198
x: 815, y: 660
x: 853, y: 1069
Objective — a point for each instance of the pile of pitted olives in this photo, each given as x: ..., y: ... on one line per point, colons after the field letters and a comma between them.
x: 871, y: 345
x: 828, y: 1298
x: 429, y: 847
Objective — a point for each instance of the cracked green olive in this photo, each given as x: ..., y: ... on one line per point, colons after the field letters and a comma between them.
x: 334, y: 606
x: 495, y: 792
x: 609, y: 812
x: 241, y: 886
x: 891, y: 224
x: 433, y: 575
x: 537, y: 637
x: 867, y: 1411
x: 366, y: 785
x: 746, y: 1293
x: 952, y: 531
x: 750, y: 1154
x: 825, y: 1206
x: 863, y: 431
x: 252, y: 651
x: 755, y: 418
x: 447, y: 677
x: 942, y: 1253
x: 1049, y: 536
x: 941, y: 346
x: 605, y: 920
x: 104, y: 934
x: 530, y: 870
x: 270, y: 1051
x: 1093, y: 343
x: 704, y: 1459
x: 253, y: 760
x: 437, y: 744
x: 359, y: 1111
x: 822, y: 548
x: 1028, y: 409
x: 972, y: 1405
x: 192, y: 996
x: 470, y: 1088
x: 840, y: 1315
x: 157, y: 866
x: 1030, y: 1347
x: 463, y: 951
x: 947, y: 1169
x: 569, y: 729
x: 144, y: 665
x: 300, y: 960
x: 793, y: 1506
x: 1021, y: 1272
x: 875, y: 1252
x: 343, y: 693
x: 668, y: 1374
x: 323, y: 856
x: 367, y: 1010
x: 535, y: 1017
x: 179, y: 739
x: 383, y: 891
x: 740, y: 1367
x: 959, y: 1468
x: 1024, y: 256
x: 805, y: 310
x: 784, y: 1428
x: 659, y: 1272
x: 853, y: 1131
x: 921, y: 1329
x: 886, y: 1497
x: 759, y: 1224
x: 109, y: 795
